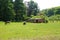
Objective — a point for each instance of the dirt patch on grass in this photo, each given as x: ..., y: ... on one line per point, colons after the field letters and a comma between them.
x: 47, y: 38
x: 38, y: 38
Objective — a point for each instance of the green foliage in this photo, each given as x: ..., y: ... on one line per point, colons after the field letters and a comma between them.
x: 55, y: 18
x: 36, y: 17
x: 32, y: 8
x: 40, y: 17
x: 6, y: 10
x: 51, y: 11
x: 20, y: 10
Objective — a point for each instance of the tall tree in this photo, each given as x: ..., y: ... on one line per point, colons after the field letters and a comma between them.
x: 0, y: 10
x: 50, y: 12
x: 36, y: 9
x: 32, y: 8
x: 7, y: 11
x: 57, y: 11
x: 19, y: 10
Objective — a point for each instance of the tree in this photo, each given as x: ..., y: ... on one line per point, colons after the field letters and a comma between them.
x: 32, y: 8
x: 19, y: 8
x: 0, y: 10
x: 57, y: 11
x: 7, y: 12
x: 36, y: 10
x: 50, y: 12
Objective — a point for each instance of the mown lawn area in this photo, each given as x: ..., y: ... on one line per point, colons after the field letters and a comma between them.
x: 16, y: 30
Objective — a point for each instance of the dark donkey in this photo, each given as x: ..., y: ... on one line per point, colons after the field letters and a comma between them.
x: 6, y: 22
x: 24, y: 23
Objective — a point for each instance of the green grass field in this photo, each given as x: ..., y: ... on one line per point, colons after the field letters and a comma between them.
x: 30, y: 31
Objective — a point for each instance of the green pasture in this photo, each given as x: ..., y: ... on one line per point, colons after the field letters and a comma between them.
x: 30, y: 30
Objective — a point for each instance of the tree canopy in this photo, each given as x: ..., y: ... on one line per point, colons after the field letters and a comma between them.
x: 18, y: 11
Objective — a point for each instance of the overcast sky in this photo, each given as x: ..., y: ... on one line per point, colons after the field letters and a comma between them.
x: 43, y: 4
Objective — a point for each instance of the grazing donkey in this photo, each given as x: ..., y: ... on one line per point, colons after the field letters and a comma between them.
x: 24, y: 23
x: 6, y: 22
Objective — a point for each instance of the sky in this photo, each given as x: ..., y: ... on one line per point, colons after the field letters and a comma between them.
x: 44, y: 4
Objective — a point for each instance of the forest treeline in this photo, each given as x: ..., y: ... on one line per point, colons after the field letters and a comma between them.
x: 51, y: 11
x: 52, y: 14
x: 19, y: 10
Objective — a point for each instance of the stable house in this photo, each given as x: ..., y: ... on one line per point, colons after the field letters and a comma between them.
x: 37, y: 20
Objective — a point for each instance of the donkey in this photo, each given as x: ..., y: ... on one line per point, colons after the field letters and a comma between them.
x: 6, y: 22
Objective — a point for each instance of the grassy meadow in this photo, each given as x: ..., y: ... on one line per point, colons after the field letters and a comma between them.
x: 30, y: 31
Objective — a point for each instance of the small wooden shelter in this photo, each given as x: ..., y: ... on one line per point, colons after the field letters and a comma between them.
x: 37, y: 20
